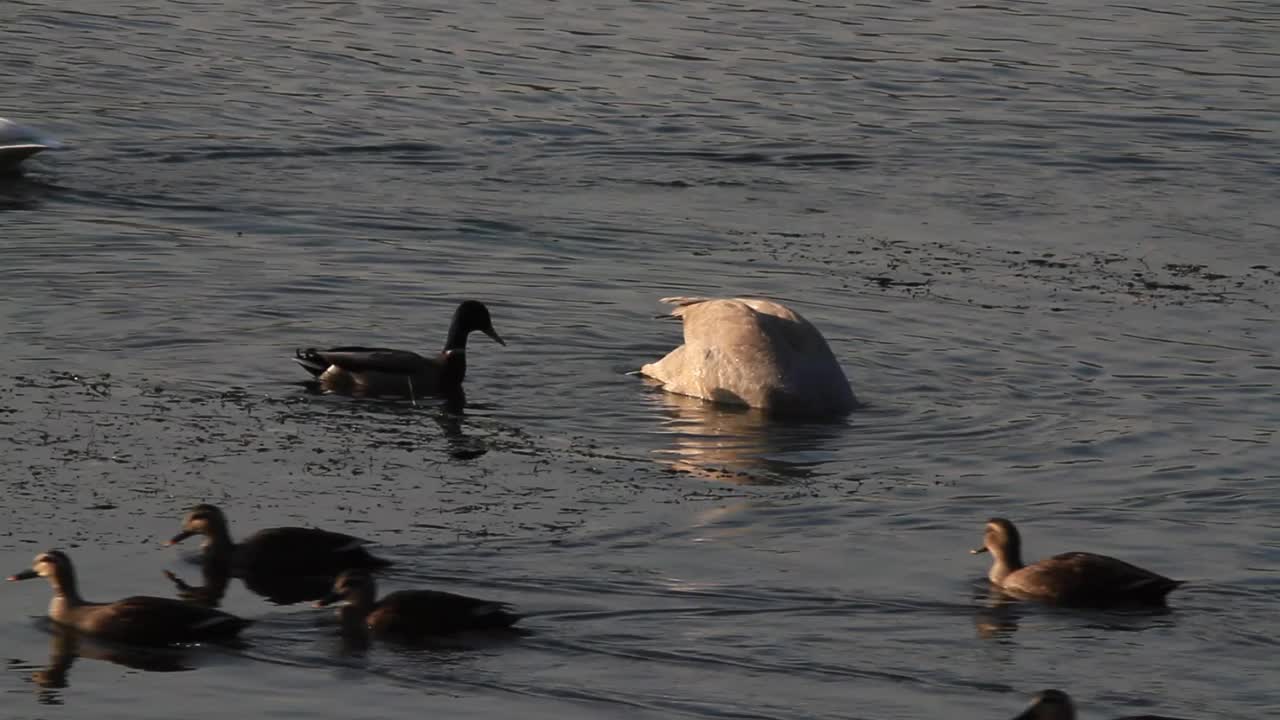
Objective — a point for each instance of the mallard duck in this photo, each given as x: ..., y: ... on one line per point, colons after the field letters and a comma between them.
x: 17, y: 143
x: 1056, y: 705
x: 138, y: 620
x: 381, y: 371
x: 755, y: 353
x: 281, y: 551
x: 411, y: 613
x: 1075, y: 579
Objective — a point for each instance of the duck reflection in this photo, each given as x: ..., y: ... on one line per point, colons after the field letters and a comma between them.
x: 742, y: 445
x: 66, y: 645
x: 275, y: 587
x: 997, y: 614
x: 216, y: 573
x: 461, y: 445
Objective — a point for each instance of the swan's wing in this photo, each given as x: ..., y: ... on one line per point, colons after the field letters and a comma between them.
x: 753, y: 352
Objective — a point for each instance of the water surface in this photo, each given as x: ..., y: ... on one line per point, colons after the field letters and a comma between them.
x: 1040, y: 237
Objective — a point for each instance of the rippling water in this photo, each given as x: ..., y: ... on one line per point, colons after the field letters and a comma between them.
x: 1041, y: 237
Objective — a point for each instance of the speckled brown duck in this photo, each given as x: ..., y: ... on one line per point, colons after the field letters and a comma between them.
x: 294, y: 552
x: 138, y: 620
x: 1056, y: 705
x: 1075, y: 579
x: 410, y: 614
x: 383, y: 371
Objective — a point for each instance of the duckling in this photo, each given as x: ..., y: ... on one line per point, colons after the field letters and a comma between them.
x: 411, y: 614
x: 138, y: 620
x: 1056, y: 705
x: 1075, y: 579
x: 282, y: 551
x: 381, y: 371
x: 752, y: 352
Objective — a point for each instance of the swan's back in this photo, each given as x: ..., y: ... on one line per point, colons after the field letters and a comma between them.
x: 753, y: 352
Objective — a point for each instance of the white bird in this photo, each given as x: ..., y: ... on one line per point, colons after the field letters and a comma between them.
x: 752, y: 352
x: 18, y: 142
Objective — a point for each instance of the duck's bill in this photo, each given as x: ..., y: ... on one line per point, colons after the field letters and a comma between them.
x: 978, y: 551
x: 179, y: 537
x: 24, y: 575
x: 328, y: 600
x: 496, y: 338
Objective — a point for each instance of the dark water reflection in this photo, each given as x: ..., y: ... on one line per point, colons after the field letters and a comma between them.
x: 66, y: 646
x: 742, y: 445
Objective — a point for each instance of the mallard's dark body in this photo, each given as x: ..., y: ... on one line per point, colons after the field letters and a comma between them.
x: 385, y: 371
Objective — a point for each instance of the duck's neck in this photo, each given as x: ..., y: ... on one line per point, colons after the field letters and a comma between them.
x: 217, y: 541
x: 1006, y: 560
x: 354, y: 619
x: 354, y: 612
x: 457, y: 339
x: 66, y: 595
x: 453, y: 372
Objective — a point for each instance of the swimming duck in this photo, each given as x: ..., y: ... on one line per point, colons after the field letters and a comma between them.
x: 1075, y: 579
x: 138, y: 620
x: 275, y: 552
x: 411, y: 613
x: 757, y: 353
x: 1056, y: 705
x: 17, y: 143
x: 378, y: 371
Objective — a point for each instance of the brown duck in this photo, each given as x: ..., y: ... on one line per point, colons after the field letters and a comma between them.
x: 1056, y: 705
x: 411, y: 614
x: 138, y: 620
x: 382, y: 371
x: 1075, y: 579
x: 282, y: 551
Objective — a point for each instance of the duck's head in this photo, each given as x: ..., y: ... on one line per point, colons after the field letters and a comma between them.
x: 51, y: 563
x: 472, y: 315
x: 203, y: 519
x: 1049, y: 705
x: 1000, y: 539
x: 353, y: 587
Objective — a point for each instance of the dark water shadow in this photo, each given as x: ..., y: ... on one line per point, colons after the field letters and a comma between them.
x: 67, y: 645
x: 997, y: 615
x: 270, y: 584
x: 448, y: 412
x: 359, y: 641
x: 21, y: 190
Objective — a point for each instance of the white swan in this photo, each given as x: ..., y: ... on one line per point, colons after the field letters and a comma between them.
x: 17, y: 143
x: 758, y: 353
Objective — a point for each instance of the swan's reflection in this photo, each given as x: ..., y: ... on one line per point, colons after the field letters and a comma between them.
x: 742, y: 445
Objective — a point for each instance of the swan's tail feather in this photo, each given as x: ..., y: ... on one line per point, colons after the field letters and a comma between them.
x: 682, y: 304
